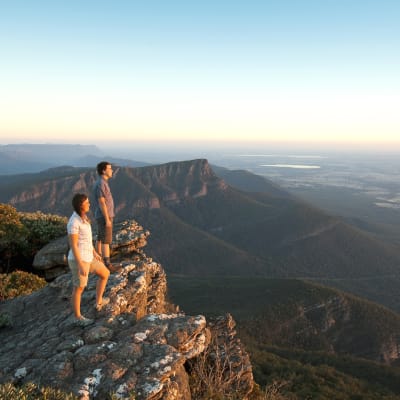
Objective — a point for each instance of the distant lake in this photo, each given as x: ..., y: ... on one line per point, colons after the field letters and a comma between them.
x: 296, y: 166
x: 281, y: 156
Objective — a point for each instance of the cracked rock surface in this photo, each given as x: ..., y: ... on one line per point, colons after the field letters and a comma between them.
x: 137, y: 346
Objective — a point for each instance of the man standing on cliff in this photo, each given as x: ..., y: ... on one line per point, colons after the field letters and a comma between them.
x: 104, y: 212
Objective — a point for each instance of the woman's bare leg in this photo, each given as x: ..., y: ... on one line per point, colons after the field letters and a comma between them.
x: 76, y: 301
x: 103, y: 273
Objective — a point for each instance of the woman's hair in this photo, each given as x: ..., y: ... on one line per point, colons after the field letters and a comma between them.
x: 77, y: 202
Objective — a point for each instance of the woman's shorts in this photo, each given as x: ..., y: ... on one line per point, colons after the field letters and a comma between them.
x: 77, y: 279
x: 104, y: 233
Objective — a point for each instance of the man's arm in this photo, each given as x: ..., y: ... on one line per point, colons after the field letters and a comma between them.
x: 103, y: 208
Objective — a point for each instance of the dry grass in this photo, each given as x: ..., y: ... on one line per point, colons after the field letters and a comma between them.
x: 31, y: 391
x: 214, y: 376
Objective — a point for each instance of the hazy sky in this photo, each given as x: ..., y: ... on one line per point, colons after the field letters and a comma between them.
x: 283, y: 70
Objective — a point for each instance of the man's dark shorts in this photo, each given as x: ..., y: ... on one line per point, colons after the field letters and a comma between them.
x: 104, y: 233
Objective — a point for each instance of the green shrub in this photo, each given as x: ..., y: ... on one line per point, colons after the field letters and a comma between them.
x: 41, y: 229
x: 22, y: 234
x: 13, y: 233
x: 19, y: 283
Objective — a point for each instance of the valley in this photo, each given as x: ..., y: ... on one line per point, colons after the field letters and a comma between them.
x: 361, y: 187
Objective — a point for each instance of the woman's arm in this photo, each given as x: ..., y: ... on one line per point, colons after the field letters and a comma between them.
x: 73, y: 243
x: 96, y: 255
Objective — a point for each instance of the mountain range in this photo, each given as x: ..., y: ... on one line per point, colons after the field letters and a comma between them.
x: 30, y: 158
x: 205, y: 223
x: 232, y: 241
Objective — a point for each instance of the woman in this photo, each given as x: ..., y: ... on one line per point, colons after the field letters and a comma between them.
x: 83, y: 259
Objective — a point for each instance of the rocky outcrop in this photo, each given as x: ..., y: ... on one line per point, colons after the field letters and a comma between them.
x: 51, y: 260
x: 129, y: 237
x: 224, y: 365
x: 139, y: 345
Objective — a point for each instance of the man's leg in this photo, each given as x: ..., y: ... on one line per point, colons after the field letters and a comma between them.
x: 107, y: 240
x: 100, y: 236
x: 105, y: 251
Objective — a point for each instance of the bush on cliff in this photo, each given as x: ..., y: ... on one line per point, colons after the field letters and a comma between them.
x: 23, y: 234
x: 41, y: 229
x: 12, y: 233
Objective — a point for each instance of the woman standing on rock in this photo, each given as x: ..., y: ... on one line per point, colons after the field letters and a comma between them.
x: 83, y: 259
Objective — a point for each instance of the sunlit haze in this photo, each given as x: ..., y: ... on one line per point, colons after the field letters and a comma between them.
x: 210, y: 71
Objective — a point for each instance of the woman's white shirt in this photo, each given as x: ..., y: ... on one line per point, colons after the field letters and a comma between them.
x: 81, y: 227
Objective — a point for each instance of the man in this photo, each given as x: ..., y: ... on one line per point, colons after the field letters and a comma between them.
x: 104, y: 212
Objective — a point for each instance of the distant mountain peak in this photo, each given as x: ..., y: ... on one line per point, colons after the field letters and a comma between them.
x: 174, y: 181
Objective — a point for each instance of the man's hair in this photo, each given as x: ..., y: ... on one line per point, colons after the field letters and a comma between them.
x: 77, y: 202
x: 101, y: 167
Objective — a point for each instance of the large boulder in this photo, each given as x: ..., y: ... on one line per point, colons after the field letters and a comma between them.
x: 51, y: 260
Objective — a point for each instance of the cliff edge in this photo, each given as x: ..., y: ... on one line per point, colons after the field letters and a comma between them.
x: 139, y: 347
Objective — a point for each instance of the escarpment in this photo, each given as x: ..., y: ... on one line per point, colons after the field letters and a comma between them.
x: 139, y: 346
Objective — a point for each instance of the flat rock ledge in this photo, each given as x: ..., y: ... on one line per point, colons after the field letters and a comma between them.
x: 139, y: 346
